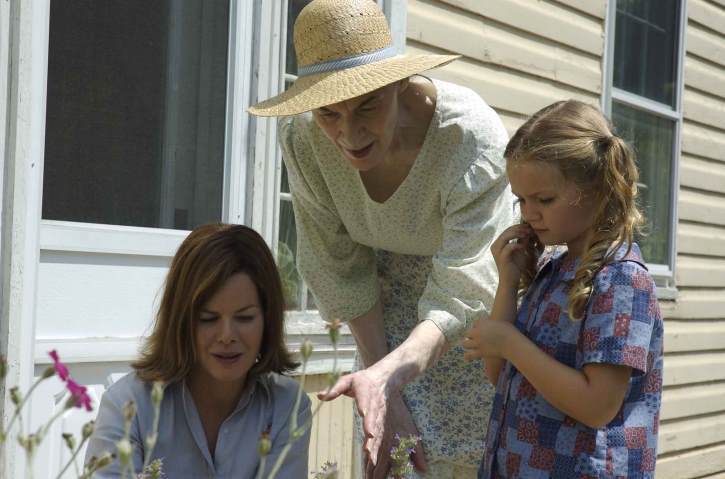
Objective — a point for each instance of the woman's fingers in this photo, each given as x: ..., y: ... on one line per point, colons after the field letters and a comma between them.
x: 520, y: 231
x: 342, y: 386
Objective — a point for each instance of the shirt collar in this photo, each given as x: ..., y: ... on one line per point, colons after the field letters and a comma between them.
x: 558, y: 259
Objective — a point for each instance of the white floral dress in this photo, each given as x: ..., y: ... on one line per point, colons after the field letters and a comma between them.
x: 424, y: 252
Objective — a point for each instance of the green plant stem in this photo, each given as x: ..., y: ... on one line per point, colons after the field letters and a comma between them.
x: 19, y: 407
x: 154, y: 432
x: 72, y: 460
x: 44, y: 429
x: 262, y: 465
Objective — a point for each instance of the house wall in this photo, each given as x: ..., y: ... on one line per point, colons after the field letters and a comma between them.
x: 692, y: 434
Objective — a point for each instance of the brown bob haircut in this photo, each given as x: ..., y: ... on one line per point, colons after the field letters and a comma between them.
x: 206, y: 259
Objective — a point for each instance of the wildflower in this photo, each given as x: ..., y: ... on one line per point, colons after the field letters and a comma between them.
x: 3, y: 367
x: 306, y: 349
x: 328, y: 471
x: 129, y: 410
x: 265, y: 445
x: 69, y: 440
x: 157, y: 393
x: 88, y: 428
x: 400, y: 455
x: 79, y: 395
x: 15, y: 395
x: 334, y: 330
x: 59, y: 367
x: 124, y: 449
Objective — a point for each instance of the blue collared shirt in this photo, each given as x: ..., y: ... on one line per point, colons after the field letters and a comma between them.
x: 530, y: 438
x: 266, y: 405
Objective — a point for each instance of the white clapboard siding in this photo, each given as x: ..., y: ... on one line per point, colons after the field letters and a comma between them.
x: 692, y: 433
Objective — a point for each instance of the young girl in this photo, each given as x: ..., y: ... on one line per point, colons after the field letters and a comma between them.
x: 578, y: 365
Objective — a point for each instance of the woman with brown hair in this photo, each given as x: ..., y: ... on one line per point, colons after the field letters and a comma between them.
x: 218, y: 345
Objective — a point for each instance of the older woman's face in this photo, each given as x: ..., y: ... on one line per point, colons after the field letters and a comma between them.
x: 363, y: 128
x: 228, y: 333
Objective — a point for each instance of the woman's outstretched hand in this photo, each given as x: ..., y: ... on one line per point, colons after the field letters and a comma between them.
x: 384, y: 414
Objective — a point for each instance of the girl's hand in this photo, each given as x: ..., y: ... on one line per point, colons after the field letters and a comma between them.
x: 383, y: 414
x: 487, y: 338
x: 509, y: 252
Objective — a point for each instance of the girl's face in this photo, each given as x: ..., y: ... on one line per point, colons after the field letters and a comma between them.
x: 228, y: 333
x: 557, y: 210
x: 363, y: 128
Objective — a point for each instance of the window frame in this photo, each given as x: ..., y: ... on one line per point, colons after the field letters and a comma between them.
x: 664, y: 274
x: 95, y: 237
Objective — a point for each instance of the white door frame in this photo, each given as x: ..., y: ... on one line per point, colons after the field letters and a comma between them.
x: 26, y: 54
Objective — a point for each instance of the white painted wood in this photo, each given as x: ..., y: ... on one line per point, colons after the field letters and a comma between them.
x: 483, y: 40
x: 704, y: 272
x: 701, y: 239
x: 237, y: 149
x: 701, y: 207
x: 97, y: 295
x: 693, y: 400
x: 543, y: 19
x: 691, y: 432
x: 269, y: 81
x: 110, y: 239
x: 691, y: 335
x: 694, y: 368
x: 692, y: 464
x: 22, y: 176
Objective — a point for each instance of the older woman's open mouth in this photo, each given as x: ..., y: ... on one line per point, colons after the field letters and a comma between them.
x: 361, y: 153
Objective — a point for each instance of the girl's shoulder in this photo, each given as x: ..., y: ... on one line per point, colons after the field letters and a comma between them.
x: 627, y: 270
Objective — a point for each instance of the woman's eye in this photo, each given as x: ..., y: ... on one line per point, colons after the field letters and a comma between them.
x: 207, y: 319
x: 545, y: 201
x: 244, y: 319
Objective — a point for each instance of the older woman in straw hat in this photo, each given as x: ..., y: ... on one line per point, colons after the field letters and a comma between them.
x: 398, y: 186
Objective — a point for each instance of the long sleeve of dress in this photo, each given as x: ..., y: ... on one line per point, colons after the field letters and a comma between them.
x: 340, y: 271
x: 463, y: 280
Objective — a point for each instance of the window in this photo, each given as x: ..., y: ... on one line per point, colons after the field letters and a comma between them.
x: 643, y: 85
x: 136, y: 112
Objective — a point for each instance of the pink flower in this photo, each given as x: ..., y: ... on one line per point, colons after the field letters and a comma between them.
x: 60, y: 368
x: 80, y: 396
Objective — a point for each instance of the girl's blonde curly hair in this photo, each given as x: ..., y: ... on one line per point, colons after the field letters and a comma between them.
x: 577, y: 139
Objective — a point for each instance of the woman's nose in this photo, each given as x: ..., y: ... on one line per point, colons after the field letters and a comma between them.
x: 350, y: 131
x: 227, y: 334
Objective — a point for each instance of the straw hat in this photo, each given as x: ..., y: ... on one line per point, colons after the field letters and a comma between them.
x: 344, y: 50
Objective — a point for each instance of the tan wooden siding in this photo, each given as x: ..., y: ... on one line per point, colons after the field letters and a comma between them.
x: 692, y: 433
x: 518, y: 55
x: 332, y: 434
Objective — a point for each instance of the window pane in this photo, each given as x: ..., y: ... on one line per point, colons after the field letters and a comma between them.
x: 294, y: 7
x: 136, y: 112
x: 286, y: 254
x: 645, y: 48
x: 652, y: 137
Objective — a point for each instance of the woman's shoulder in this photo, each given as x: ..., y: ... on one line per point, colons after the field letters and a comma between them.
x: 463, y: 108
x: 282, y: 390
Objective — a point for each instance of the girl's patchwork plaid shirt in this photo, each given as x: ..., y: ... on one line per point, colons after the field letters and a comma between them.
x: 527, y: 436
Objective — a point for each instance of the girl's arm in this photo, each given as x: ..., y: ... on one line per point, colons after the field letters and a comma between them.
x: 592, y: 396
